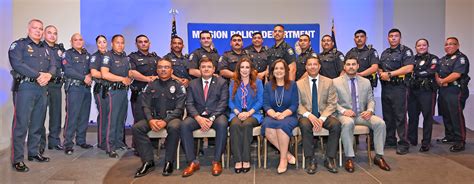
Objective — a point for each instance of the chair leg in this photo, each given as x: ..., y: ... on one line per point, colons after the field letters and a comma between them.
x: 322, y: 145
x: 369, y: 154
x: 303, y: 159
x: 259, y: 142
x: 177, y: 155
x: 296, y: 150
x: 265, y: 154
x: 158, y: 151
x: 228, y: 152
x: 198, y: 147
x: 340, y: 153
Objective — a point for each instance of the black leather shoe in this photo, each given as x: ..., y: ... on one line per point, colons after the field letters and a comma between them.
x: 86, y: 146
x: 20, y: 167
x: 41, y: 150
x: 401, y: 150
x: 146, y: 168
x: 424, y: 148
x: 330, y: 164
x: 113, y: 154
x: 69, y: 151
x: 445, y: 141
x: 457, y: 147
x: 237, y: 170
x: 312, y: 165
x: 168, y: 169
x: 246, y: 170
x: 57, y: 147
x: 38, y: 158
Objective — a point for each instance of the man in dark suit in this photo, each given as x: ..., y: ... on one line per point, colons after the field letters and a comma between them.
x: 206, y: 104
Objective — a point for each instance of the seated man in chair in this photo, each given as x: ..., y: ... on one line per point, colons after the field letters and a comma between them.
x: 355, y: 106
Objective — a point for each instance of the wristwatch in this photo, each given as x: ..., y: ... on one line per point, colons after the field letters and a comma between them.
x: 389, y: 74
x: 212, y: 118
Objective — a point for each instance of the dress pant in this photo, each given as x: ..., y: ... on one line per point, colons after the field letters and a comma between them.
x: 394, y: 109
x: 78, y: 105
x: 54, y: 112
x: 375, y: 123
x: 420, y: 101
x: 190, y: 124
x: 241, y: 137
x: 144, y: 146
x: 451, y: 107
x: 29, y: 103
x: 118, y: 105
x: 334, y: 128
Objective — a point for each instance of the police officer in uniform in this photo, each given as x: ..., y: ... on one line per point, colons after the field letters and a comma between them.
x: 306, y: 52
x: 332, y: 60
x: 367, y: 56
x: 78, y: 94
x: 163, y: 104
x: 180, y: 61
x: 230, y: 58
x: 281, y: 50
x: 258, y: 55
x: 98, y: 91
x: 422, y: 95
x: 54, y: 93
x: 452, y: 77
x: 207, y: 50
x: 143, y: 70
x: 115, y: 69
x: 396, y: 63
x: 33, y: 64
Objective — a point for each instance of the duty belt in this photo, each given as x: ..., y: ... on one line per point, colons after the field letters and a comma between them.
x: 56, y: 80
x: 75, y: 82
x: 117, y: 86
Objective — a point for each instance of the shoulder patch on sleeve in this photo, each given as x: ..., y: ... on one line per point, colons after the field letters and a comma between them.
x: 376, y: 54
x: 408, y: 53
x: 290, y: 51
x: 106, y: 60
x: 462, y: 60
x: 341, y: 57
x: 13, y: 45
x: 93, y: 59
x: 191, y: 56
x: 221, y: 58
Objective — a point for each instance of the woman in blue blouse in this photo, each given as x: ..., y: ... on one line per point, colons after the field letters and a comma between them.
x: 280, y: 103
x: 245, y: 102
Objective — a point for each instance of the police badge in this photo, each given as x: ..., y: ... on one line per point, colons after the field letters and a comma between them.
x: 422, y: 62
x: 314, y: 55
x: 60, y: 53
x: 453, y: 57
x: 434, y: 61
x: 172, y: 89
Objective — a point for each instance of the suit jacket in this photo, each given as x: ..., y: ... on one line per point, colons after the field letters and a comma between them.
x: 364, y: 91
x: 217, y: 97
x: 327, y: 98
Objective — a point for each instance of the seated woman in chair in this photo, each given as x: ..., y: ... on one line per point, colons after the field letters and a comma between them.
x: 280, y: 102
x: 245, y: 102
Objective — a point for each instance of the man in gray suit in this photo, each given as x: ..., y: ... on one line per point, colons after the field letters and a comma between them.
x: 355, y: 106
x: 206, y: 105
x: 317, y: 103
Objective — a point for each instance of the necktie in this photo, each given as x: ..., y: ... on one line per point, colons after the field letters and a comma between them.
x: 206, y: 89
x: 314, y: 99
x: 353, y: 95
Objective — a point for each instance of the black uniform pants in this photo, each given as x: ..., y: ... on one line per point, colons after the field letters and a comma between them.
x: 451, y: 100
x: 144, y: 146
x: 420, y: 101
x: 394, y: 109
